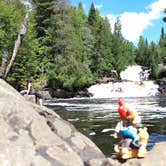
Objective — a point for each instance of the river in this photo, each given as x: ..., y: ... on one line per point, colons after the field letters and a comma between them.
x: 97, y: 117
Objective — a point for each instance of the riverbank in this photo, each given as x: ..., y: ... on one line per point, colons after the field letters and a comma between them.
x: 61, y: 93
x: 135, y: 76
x: 162, y: 86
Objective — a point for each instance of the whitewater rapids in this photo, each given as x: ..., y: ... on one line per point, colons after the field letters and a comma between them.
x: 132, y: 85
x: 124, y: 89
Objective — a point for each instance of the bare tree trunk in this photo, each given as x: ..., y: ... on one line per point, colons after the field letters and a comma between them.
x: 4, y: 64
x: 17, y: 45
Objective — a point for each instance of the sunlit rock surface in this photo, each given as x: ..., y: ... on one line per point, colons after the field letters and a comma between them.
x: 33, y: 135
x: 156, y: 157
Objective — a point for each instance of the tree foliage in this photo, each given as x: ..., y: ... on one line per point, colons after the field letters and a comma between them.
x: 11, y: 17
x: 67, y: 49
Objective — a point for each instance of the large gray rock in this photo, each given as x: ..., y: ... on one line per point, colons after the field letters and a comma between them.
x: 36, y: 136
x: 156, y: 157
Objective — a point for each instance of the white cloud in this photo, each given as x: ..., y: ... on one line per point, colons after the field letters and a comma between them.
x: 112, y: 19
x: 133, y: 24
x: 157, y: 8
x: 99, y: 6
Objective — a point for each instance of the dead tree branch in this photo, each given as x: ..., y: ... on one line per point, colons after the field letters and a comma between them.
x: 3, y: 64
x: 17, y: 45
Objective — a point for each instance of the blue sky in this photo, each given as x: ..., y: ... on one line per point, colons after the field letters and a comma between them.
x: 138, y: 17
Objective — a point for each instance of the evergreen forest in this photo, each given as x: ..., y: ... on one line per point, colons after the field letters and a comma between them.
x: 65, y: 48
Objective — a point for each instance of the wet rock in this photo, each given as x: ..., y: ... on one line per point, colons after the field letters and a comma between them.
x: 61, y: 93
x: 162, y: 86
x: 45, y: 94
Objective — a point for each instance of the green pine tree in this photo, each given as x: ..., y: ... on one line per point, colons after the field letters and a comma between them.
x: 44, y: 10
x: 68, y: 65
x: 11, y: 17
x: 154, y: 61
x: 142, y: 47
x: 162, y: 47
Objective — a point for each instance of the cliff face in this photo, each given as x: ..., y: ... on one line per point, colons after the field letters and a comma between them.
x: 36, y: 136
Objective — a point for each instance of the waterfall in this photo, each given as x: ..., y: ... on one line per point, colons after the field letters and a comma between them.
x: 135, y: 73
x: 134, y: 83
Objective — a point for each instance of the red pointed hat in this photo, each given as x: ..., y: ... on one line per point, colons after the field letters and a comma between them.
x: 124, y: 112
x: 121, y: 109
x: 120, y: 102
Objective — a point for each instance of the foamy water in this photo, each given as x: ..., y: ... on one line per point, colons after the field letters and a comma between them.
x: 132, y: 73
x: 133, y: 86
x: 124, y: 89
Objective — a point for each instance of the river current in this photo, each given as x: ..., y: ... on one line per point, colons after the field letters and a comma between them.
x: 96, y: 117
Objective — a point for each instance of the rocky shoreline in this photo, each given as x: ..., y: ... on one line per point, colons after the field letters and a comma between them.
x: 60, y: 93
x: 34, y: 135
x: 162, y: 86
